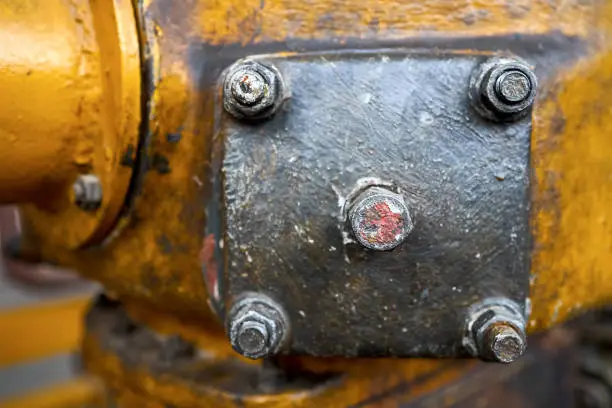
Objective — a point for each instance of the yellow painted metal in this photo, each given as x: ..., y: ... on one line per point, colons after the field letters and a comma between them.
x: 79, y: 393
x: 154, y: 261
x: 39, y: 56
x: 250, y: 21
x: 571, y: 198
x: 70, y: 79
x: 572, y: 262
x: 134, y: 385
x: 153, y: 264
x: 41, y: 330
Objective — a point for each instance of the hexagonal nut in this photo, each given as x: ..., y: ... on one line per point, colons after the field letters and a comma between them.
x: 253, y: 90
x: 503, y: 89
x: 252, y: 338
x: 496, y: 331
x: 87, y: 192
x: 273, y: 328
x: 254, y: 313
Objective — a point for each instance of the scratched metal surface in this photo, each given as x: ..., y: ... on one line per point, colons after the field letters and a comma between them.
x: 403, y: 118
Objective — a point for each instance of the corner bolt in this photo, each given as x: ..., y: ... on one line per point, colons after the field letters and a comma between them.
x: 503, y: 89
x: 257, y: 326
x: 496, y: 331
x: 252, y: 90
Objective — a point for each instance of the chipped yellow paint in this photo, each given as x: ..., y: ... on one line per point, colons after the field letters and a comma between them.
x: 248, y: 21
x: 572, y: 263
x: 70, y: 78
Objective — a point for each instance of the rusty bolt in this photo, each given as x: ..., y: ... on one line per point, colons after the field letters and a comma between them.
x: 503, y: 89
x: 257, y: 326
x: 379, y: 218
x: 87, y: 192
x: 496, y: 331
x: 252, y: 90
x: 504, y: 343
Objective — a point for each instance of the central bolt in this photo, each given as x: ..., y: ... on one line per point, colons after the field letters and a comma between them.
x: 513, y: 86
x: 379, y: 219
x: 248, y: 87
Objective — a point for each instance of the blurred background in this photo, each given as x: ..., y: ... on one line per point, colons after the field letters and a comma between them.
x: 38, y: 301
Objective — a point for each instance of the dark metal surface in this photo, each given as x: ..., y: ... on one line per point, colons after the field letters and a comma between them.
x: 593, y: 382
x: 401, y: 118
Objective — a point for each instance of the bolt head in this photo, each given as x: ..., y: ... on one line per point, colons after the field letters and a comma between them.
x: 247, y: 87
x: 379, y: 219
x: 513, y: 86
x: 252, y: 90
x: 87, y: 191
x: 257, y: 327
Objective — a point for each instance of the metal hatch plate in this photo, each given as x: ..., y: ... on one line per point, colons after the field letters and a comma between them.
x: 396, y: 116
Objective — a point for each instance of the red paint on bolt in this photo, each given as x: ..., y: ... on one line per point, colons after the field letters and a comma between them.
x: 380, y: 224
